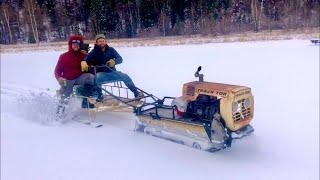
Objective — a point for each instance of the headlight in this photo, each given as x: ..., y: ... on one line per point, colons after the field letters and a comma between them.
x: 247, y: 103
x: 234, y: 107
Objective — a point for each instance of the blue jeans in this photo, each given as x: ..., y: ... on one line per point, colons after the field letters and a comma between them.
x: 103, y: 77
x: 83, y: 79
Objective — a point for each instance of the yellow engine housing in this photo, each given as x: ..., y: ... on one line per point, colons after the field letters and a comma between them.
x: 228, y: 94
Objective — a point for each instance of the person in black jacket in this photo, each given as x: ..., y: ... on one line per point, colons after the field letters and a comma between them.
x: 105, y: 58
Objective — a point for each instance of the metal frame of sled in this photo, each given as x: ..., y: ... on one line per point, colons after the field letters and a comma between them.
x: 210, y: 129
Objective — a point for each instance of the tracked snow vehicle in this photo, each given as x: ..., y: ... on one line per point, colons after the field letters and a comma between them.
x: 207, y: 116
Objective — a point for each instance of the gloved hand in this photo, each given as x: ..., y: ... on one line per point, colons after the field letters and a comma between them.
x: 111, y: 63
x: 62, y: 81
x: 84, y: 66
x: 84, y: 51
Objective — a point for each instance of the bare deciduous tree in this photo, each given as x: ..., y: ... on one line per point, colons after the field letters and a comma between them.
x: 7, y: 20
x: 30, y: 6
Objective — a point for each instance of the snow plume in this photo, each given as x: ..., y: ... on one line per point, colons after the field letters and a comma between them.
x: 33, y: 104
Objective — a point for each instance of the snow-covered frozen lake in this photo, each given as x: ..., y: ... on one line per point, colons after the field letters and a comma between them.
x: 283, y: 75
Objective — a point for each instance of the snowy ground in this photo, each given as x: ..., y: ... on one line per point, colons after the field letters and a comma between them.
x: 283, y: 75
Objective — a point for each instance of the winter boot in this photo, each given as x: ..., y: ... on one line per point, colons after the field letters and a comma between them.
x: 86, y: 103
x: 138, y: 94
x: 60, y: 114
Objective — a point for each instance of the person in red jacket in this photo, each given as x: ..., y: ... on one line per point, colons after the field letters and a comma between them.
x: 68, y: 70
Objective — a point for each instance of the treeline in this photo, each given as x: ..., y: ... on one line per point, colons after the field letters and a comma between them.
x: 35, y: 21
